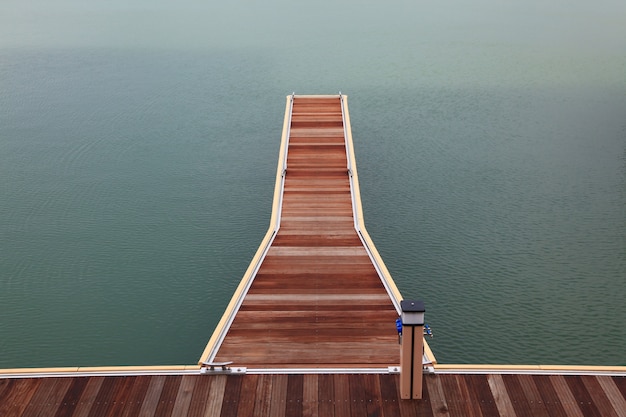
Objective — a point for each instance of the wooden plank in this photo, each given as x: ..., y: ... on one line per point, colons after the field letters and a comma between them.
x: 346, y: 281
x: 306, y: 158
x: 481, y: 394
x: 341, y: 386
x: 533, y: 396
x: 4, y: 383
x: 312, y: 305
x: 184, y: 396
x: 71, y: 397
x: 120, y: 395
x: 247, y: 395
x: 327, y: 140
x: 318, y: 268
x: 620, y: 381
x: 199, y: 397
x: 310, y: 133
x: 454, y: 398
x: 326, y: 395
x: 263, y: 396
x: 613, y: 394
x: 323, y: 216
x: 137, y: 396
x: 346, y: 354
x: 17, y: 395
x: 500, y: 395
x: 231, y: 396
x: 215, y: 400
x: 327, y: 189
x: 438, y: 403
x: 294, y: 395
x: 46, y: 400
x: 88, y: 397
x: 331, y: 251
x: 288, y: 285
x: 598, y: 396
x: 373, y: 400
x: 278, y: 406
x: 313, y: 263
x: 315, y: 238
x: 310, y: 395
x: 389, y: 395
x: 168, y: 395
x: 326, y: 306
x: 102, y: 402
x: 356, y: 299
x: 582, y: 396
x: 470, y: 407
x: 517, y: 396
x: 329, y: 319
x: 354, y: 341
x: 569, y: 403
x: 153, y: 394
x: 549, y: 395
x: 357, y: 395
x: 301, y: 227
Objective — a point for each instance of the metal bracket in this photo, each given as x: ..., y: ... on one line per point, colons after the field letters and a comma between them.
x: 219, y: 367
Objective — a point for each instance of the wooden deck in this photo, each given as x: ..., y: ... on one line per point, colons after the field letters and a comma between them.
x: 340, y: 395
x: 317, y: 299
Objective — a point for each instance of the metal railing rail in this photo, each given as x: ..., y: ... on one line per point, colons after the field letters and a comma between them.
x: 284, y: 153
x: 463, y: 369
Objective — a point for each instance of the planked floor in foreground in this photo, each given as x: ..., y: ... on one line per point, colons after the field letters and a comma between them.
x: 317, y: 300
x: 339, y: 395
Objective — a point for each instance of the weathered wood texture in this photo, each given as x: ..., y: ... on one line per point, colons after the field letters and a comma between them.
x: 316, y: 300
x: 312, y: 395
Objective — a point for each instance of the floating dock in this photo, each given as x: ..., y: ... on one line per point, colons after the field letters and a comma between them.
x: 317, y: 294
x: 310, y: 331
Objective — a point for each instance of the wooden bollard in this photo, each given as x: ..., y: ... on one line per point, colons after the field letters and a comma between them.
x: 411, y: 349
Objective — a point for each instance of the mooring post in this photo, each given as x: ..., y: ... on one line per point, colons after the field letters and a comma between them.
x: 411, y: 349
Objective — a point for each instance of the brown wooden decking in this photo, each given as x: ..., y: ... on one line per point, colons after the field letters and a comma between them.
x: 316, y: 300
x: 340, y: 395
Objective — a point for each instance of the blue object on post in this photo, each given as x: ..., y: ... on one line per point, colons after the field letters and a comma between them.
x: 399, y: 325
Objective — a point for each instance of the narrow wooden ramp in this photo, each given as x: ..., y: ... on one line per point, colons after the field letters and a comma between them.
x: 317, y: 299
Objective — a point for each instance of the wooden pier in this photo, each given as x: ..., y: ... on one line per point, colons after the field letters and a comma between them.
x: 317, y: 295
x: 310, y: 330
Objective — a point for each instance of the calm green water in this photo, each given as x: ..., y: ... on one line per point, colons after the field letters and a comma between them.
x: 139, y: 140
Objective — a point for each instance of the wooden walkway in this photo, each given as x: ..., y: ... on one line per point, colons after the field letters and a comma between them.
x: 325, y: 395
x: 317, y: 299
